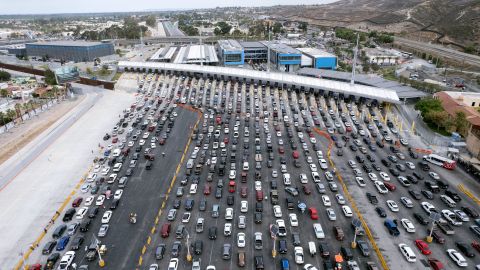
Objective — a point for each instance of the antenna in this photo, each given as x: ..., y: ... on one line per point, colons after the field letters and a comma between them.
x: 355, y: 52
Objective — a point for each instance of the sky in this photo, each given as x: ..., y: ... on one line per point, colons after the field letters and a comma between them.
x: 87, y: 6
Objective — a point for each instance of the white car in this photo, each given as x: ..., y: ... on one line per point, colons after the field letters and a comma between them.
x: 227, y: 229
x: 303, y: 178
x: 457, y: 257
x: 229, y: 214
x: 293, y: 219
x: 244, y: 206
x: 410, y: 165
x: 118, y: 194
x: 316, y: 177
x: 407, y: 202
x: 352, y: 164
x: 106, y: 217
x: 329, y: 176
x: 81, y: 213
x: 100, y: 200
x: 372, y: 176
x: 282, y: 229
x: 286, y: 179
x: 434, y: 175
x: 461, y: 215
x: 323, y: 164
x: 309, y: 159
x: 381, y: 187
x: 91, y: 177
x: 130, y: 143
x: 428, y: 207
x: 408, y: 225
x: 105, y: 170
x: 313, y: 167
x: 232, y: 174
x: 347, y: 211
x: 173, y: 264
x: 89, y: 200
x: 331, y: 214
x: 141, y: 142
x: 384, y: 176
x: 392, y: 205
x: 407, y: 252
x: 277, y: 211
x: 340, y: 199
x: 360, y: 181
x: 153, y: 145
x: 326, y: 200
x: 112, y: 178
x: 299, y: 259
x: 451, y: 217
x: 258, y: 185
x: 313, y: 140
x: 193, y: 189
x: 66, y: 260
x: 241, y: 240
x: 97, y: 168
x: 274, y: 173
x: 186, y: 217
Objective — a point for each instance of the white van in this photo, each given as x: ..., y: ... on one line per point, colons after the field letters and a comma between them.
x: 245, y: 166
x: 286, y: 179
x: 116, y: 152
x: 448, y: 201
x: 285, y: 118
x: 312, y: 248
x: 407, y: 252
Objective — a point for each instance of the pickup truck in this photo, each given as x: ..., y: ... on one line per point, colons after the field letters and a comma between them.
x: 446, y: 228
x: 392, y: 227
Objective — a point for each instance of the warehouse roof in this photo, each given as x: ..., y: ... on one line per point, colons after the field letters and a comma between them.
x: 73, y: 43
x: 252, y: 44
x: 281, y: 48
x: 315, y: 53
x: 359, y: 90
x: 230, y: 45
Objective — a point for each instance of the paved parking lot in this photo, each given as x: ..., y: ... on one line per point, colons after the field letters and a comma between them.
x: 254, y: 147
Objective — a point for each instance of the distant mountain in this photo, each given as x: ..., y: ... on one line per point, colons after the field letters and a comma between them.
x: 447, y: 21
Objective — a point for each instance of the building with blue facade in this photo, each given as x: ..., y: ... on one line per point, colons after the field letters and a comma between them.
x: 283, y: 57
x: 254, y: 51
x: 319, y: 59
x: 77, y: 51
x: 230, y: 52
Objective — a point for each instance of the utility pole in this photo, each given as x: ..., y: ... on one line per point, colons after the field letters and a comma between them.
x: 268, y: 48
x: 355, y: 52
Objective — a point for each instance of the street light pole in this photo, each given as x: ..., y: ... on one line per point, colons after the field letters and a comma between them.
x: 189, y: 256
x: 354, y: 243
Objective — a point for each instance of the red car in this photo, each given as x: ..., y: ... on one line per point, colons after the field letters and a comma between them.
x: 311, y: 135
x: 390, y: 186
x: 295, y: 154
x: 243, y: 192
x: 207, y: 189
x: 281, y: 150
x: 231, y: 186
x: 259, y: 195
x: 349, y: 129
x: 306, y: 190
x: 423, y: 247
x: 313, y: 213
x: 115, y: 140
x: 225, y: 140
x: 476, y: 245
x: 36, y: 266
x: 165, y: 231
x: 435, y: 264
x: 161, y: 141
x: 77, y: 202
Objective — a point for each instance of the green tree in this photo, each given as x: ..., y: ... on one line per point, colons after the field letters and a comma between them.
x: 50, y: 77
x: 303, y: 26
x: 4, y: 93
x: 366, y: 67
x: 237, y: 33
x: 461, y: 123
x: 470, y: 49
x: 428, y: 104
x: 222, y: 28
x: 437, y: 118
x: 151, y: 21
x: 278, y: 28
x: 4, y: 76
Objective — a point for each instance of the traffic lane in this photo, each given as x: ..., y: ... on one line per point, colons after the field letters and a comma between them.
x: 151, y: 188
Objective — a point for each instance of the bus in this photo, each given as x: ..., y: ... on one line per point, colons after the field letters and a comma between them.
x: 440, y: 161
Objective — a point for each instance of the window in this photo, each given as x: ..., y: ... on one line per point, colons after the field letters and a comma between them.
x: 233, y: 57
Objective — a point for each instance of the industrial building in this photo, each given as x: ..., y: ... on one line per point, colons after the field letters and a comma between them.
x: 164, y: 54
x: 284, y: 58
x: 254, y: 51
x: 78, y: 51
x: 230, y: 52
x: 319, y: 59
x: 382, y: 57
x: 196, y: 54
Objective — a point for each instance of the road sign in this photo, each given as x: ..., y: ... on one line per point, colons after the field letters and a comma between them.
x: 356, y: 222
x: 273, y: 230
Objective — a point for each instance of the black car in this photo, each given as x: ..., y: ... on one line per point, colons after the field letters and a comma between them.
x: 189, y: 204
x: 218, y: 193
x: 427, y: 194
x: 258, y: 217
x: 359, y: 159
x: 230, y: 200
x: 380, y: 211
x: 420, y: 218
x: 453, y: 195
x: 92, y: 212
x: 176, y: 249
x: 353, y: 148
x: 49, y: 246
x: 412, y: 179
x: 470, y: 211
x: 282, y: 246
x: 386, y: 162
x: 370, y: 158
x: 376, y: 167
x: 85, y: 225
x: 258, y: 207
x: 418, y: 176
x: 442, y: 184
x: 415, y: 194
x: 394, y: 172
x: 465, y: 249
x: 212, y: 233
x: 114, y: 204
x: 366, y: 168
x: 324, y: 249
x: 177, y: 203
x: 77, y: 242
x: 372, y: 198
x: 197, y: 247
x: 202, y: 205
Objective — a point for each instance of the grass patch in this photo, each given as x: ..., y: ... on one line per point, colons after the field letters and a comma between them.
x: 117, y: 76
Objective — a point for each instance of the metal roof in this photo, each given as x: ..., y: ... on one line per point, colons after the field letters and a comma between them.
x: 196, y: 54
x: 281, y: 48
x: 381, y: 94
x: 73, y: 43
x: 252, y: 45
x: 369, y: 80
x: 315, y: 53
x: 230, y: 45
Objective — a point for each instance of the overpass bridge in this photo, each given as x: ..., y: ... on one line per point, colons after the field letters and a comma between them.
x: 284, y: 80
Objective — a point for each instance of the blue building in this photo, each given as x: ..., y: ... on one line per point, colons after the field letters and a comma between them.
x: 78, y: 51
x: 319, y: 59
x: 230, y: 52
x: 254, y: 51
x: 283, y: 57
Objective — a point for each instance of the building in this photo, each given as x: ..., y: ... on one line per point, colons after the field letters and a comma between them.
x: 319, y: 59
x: 196, y: 54
x: 254, y: 51
x: 230, y: 52
x: 164, y: 54
x: 284, y: 58
x: 381, y: 57
x: 17, y: 50
x: 77, y: 51
x: 469, y: 104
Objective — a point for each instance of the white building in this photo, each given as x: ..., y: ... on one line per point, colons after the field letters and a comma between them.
x: 381, y: 57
